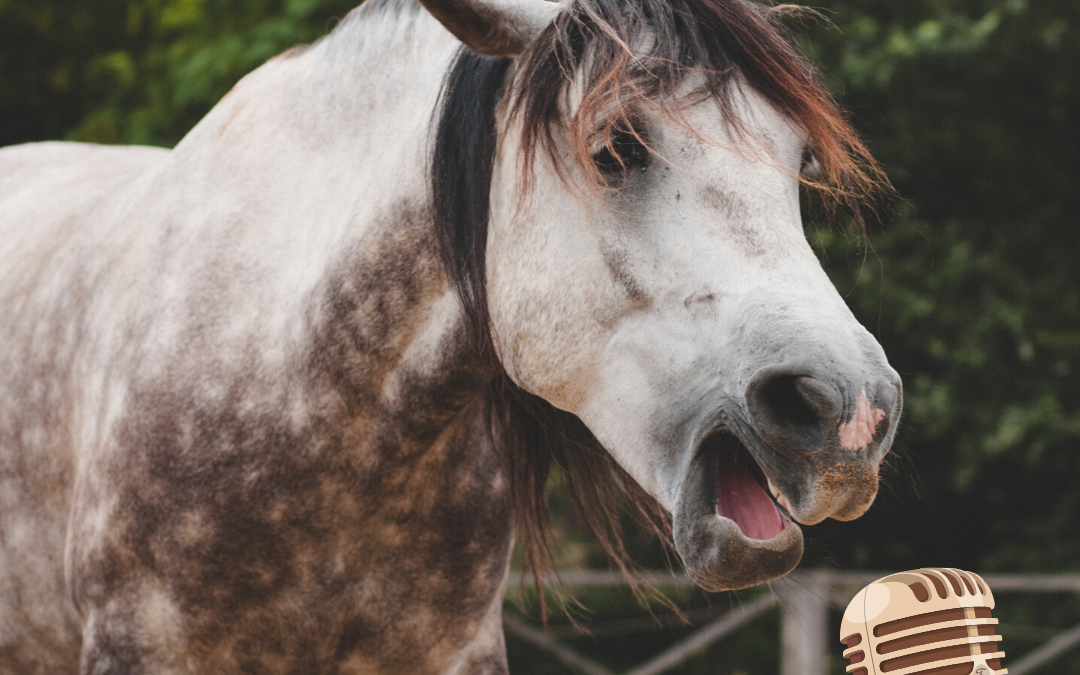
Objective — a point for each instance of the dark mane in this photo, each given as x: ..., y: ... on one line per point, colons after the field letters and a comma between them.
x: 534, y: 433
x: 598, y: 44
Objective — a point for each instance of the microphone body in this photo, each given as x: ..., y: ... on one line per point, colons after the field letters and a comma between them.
x: 932, y: 621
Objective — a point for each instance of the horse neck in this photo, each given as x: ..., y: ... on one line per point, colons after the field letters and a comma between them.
x: 325, y: 152
x: 386, y: 309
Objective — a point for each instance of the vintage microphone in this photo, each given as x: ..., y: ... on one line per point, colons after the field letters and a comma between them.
x: 933, y: 621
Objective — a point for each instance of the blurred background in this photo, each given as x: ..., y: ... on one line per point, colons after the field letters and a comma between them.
x: 970, y: 281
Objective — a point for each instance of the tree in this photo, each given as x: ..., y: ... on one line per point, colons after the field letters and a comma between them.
x: 140, y: 71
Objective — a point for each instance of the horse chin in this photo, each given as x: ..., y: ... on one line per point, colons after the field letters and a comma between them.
x: 728, y: 530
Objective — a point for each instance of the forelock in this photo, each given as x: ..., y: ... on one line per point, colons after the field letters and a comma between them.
x: 603, y: 61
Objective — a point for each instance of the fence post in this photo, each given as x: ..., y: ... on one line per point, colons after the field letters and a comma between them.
x: 804, y: 624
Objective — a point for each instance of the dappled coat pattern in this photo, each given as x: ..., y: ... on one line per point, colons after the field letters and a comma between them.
x: 274, y: 401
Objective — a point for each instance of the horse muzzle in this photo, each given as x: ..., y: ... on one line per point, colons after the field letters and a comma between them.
x: 804, y: 449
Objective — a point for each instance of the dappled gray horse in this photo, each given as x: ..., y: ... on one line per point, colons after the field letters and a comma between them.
x: 274, y: 400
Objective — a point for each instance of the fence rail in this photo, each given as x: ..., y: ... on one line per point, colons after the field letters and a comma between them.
x: 805, y: 598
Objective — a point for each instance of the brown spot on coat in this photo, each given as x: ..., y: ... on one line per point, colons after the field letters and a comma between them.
x: 734, y: 216
x: 618, y: 266
x: 375, y: 526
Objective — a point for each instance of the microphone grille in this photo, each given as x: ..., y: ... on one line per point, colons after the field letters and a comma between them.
x: 931, y: 621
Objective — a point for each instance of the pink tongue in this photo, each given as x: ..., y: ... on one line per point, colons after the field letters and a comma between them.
x: 742, y: 499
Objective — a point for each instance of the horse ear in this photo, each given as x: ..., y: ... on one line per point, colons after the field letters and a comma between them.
x: 494, y: 27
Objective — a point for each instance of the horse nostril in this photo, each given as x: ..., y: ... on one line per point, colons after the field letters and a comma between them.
x: 785, y: 402
x: 797, y: 413
x: 797, y: 402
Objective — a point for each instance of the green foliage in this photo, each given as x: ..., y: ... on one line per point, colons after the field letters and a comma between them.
x: 137, y: 71
x: 970, y: 285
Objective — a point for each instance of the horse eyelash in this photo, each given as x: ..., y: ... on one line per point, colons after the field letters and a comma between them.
x: 809, y: 167
x: 624, y: 153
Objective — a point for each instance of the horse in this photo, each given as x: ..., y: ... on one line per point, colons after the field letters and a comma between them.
x: 282, y: 398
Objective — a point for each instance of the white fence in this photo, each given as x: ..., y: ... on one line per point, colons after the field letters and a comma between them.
x: 805, y: 598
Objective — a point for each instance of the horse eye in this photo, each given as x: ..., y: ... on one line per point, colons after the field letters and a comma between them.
x: 810, y: 167
x: 625, y: 153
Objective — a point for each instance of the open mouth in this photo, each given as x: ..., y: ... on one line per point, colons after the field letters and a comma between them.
x: 729, y: 531
x: 734, y: 529
x: 742, y: 493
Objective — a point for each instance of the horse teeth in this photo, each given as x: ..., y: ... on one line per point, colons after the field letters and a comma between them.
x: 776, y: 494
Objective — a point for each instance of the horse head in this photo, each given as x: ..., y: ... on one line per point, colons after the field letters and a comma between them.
x: 642, y: 263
